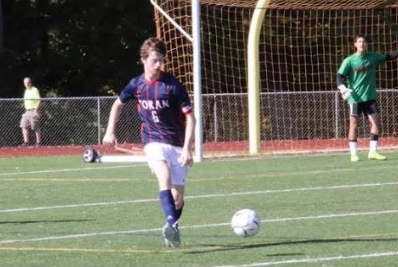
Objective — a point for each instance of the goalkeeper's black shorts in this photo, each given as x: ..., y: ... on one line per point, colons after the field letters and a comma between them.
x: 367, y: 108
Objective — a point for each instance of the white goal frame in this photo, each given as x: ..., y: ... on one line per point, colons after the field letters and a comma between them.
x: 197, y: 77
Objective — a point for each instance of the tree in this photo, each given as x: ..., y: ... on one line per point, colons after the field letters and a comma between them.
x: 1, y: 47
x: 74, y: 47
x: 1, y: 31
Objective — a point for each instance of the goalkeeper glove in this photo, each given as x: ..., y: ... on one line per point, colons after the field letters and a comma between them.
x: 345, y: 92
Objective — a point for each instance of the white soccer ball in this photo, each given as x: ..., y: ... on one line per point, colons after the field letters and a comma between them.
x: 246, y: 223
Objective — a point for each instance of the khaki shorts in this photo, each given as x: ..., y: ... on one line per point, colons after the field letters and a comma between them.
x: 30, y: 119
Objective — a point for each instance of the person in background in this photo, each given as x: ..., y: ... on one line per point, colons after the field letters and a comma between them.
x: 31, y: 116
x: 358, y: 71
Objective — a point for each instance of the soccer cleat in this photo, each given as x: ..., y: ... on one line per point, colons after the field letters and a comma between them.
x: 171, y: 236
x: 167, y: 243
x: 376, y: 156
x: 354, y: 158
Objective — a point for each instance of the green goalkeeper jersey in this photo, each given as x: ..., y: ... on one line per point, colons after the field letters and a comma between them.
x: 360, y: 71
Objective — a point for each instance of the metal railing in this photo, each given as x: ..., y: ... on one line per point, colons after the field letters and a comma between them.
x: 284, y: 116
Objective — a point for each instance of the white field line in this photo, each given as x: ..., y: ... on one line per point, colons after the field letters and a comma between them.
x: 318, y: 188
x: 212, y: 160
x: 275, y: 174
x: 81, y: 205
x: 289, y: 190
x: 320, y: 259
x: 325, y: 216
x: 70, y: 170
x: 107, y: 167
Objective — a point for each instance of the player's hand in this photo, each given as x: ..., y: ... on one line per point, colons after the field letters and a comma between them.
x: 36, y: 113
x: 109, y: 140
x: 186, y: 158
x: 345, y: 92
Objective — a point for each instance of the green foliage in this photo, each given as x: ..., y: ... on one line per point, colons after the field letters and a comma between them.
x: 74, y: 48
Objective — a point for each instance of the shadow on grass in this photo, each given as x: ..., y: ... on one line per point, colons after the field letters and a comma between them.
x: 45, y: 221
x: 217, y: 247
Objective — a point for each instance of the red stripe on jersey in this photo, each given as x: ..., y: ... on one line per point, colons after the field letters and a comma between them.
x: 150, y: 134
x: 187, y: 110
x: 156, y: 97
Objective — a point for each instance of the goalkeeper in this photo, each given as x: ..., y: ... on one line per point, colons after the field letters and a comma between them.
x: 358, y: 71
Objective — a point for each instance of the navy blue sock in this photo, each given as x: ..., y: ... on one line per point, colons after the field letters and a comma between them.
x: 169, y: 208
x: 179, y: 212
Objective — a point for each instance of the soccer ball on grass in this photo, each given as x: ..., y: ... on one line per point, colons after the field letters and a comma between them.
x: 246, y: 223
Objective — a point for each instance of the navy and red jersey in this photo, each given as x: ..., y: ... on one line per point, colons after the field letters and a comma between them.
x: 162, y: 106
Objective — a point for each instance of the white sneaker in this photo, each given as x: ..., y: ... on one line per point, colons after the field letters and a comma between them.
x: 376, y: 156
x: 171, y: 236
x: 354, y: 158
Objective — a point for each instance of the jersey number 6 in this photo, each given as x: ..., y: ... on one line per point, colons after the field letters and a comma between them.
x: 155, y: 116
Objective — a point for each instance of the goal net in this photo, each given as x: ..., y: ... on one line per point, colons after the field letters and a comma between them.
x: 302, y: 45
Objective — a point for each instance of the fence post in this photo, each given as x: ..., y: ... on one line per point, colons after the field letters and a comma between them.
x: 99, y: 120
x: 215, y: 118
x: 336, y: 107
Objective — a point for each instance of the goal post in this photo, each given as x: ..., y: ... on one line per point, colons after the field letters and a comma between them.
x: 194, y: 38
x: 291, y: 104
x: 253, y: 73
x: 197, y: 80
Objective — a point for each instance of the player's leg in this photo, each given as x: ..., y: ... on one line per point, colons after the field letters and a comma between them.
x: 374, y: 119
x: 353, y: 131
x: 24, y: 124
x: 178, y: 179
x: 170, y: 230
x: 158, y: 161
x: 34, y: 122
x: 25, y: 133
x: 171, y: 233
x: 162, y: 172
x: 38, y: 138
x: 178, y: 195
x: 179, y: 176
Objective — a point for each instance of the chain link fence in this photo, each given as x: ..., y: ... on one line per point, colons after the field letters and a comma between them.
x: 283, y: 116
x: 69, y: 121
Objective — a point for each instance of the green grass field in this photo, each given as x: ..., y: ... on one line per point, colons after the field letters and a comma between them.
x: 315, y: 211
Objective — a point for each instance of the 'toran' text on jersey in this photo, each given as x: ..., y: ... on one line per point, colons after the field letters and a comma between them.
x: 162, y: 106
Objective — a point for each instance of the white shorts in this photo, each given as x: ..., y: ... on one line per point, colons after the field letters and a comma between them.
x: 158, y: 152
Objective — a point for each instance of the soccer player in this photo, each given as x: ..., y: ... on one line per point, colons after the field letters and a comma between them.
x: 359, y: 72
x: 167, y: 130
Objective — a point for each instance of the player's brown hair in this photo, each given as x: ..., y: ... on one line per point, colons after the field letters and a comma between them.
x: 152, y: 44
x: 361, y: 36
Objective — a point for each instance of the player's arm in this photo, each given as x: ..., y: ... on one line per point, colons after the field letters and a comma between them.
x: 38, y: 103
x: 187, y: 158
x: 126, y: 95
x: 182, y: 97
x: 109, y: 138
x: 392, y: 55
x: 345, y: 92
x: 38, y: 106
